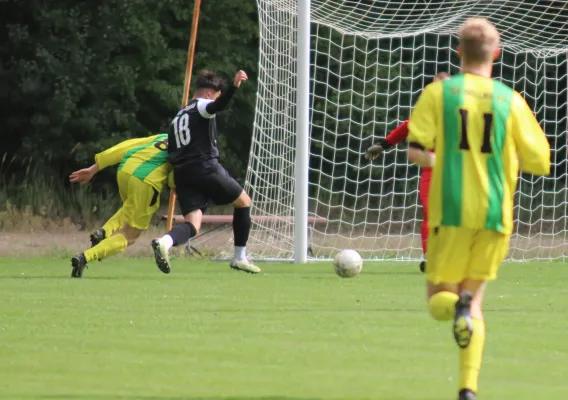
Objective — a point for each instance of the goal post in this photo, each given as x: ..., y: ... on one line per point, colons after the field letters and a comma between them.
x: 336, y: 74
x: 302, y: 136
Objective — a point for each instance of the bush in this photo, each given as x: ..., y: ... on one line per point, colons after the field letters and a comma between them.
x: 35, y: 198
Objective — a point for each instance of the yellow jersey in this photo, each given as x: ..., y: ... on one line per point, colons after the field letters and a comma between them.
x: 479, y: 128
x: 144, y: 158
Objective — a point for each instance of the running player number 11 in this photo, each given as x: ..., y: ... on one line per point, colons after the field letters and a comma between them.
x: 181, y: 130
x: 488, y: 122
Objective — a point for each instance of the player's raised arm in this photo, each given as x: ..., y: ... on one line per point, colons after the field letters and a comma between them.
x: 226, y: 96
x: 211, y: 94
x: 423, y: 126
x: 530, y: 141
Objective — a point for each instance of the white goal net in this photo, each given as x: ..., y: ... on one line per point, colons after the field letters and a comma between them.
x: 369, y: 62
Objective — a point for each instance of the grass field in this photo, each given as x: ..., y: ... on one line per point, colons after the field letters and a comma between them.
x: 126, y: 331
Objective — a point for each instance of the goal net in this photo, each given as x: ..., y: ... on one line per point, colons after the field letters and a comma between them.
x: 369, y: 62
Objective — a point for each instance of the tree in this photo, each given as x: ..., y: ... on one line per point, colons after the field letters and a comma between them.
x: 81, y: 76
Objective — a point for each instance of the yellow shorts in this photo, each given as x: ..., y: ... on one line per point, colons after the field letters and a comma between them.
x: 455, y: 254
x: 139, y: 200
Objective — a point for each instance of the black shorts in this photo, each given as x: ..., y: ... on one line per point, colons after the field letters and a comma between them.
x: 196, y: 186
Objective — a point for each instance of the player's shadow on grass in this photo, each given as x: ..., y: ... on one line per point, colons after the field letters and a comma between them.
x: 29, y: 277
x: 327, y: 274
x: 308, y: 276
x: 134, y: 397
x: 379, y: 271
x: 86, y: 278
x: 308, y: 310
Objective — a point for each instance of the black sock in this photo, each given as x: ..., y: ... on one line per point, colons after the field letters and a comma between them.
x: 241, y: 226
x: 181, y: 233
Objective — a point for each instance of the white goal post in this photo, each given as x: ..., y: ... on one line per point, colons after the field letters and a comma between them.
x: 336, y: 74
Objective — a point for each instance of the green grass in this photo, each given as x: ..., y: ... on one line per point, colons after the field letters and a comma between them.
x: 126, y: 331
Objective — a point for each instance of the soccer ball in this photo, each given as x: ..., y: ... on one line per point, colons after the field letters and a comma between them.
x: 348, y: 263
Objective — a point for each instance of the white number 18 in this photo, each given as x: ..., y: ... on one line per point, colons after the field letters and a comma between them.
x: 181, y: 130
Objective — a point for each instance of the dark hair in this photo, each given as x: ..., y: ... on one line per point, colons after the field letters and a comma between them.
x: 209, y: 80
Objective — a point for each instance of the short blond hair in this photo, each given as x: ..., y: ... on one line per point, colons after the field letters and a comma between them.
x: 441, y: 76
x: 478, y: 40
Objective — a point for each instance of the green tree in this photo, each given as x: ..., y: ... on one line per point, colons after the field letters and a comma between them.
x: 87, y: 75
x: 91, y: 74
x: 78, y: 77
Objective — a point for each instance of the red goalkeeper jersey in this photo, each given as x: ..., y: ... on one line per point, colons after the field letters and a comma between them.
x: 399, y: 134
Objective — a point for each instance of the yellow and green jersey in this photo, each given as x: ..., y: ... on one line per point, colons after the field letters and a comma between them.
x: 144, y: 158
x: 479, y: 128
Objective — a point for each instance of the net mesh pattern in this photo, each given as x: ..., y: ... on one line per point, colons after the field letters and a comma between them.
x: 370, y: 61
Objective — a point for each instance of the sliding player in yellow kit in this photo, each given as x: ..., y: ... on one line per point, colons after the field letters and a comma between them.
x: 143, y: 170
x: 480, y: 129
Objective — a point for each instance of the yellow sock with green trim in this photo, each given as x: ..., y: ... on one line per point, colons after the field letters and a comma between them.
x: 442, y: 305
x: 106, y: 248
x: 470, y: 357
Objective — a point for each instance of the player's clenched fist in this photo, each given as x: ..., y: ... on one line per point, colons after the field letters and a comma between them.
x: 239, y: 77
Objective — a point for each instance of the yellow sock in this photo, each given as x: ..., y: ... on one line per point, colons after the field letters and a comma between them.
x: 113, y: 224
x: 470, y: 357
x: 108, y: 247
x: 442, y: 305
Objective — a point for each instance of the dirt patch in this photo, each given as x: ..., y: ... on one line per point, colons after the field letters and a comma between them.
x: 264, y: 244
x: 50, y: 244
x: 72, y: 241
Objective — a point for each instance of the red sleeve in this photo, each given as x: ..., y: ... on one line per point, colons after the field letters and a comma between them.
x: 398, y: 134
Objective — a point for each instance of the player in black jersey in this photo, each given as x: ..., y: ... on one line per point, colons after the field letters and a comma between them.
x: 198, y: 175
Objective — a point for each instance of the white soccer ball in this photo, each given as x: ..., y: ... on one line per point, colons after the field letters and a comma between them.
x: 348, y: 263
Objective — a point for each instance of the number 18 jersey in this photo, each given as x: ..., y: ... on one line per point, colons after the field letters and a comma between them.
x: 192, y: 138
x: 479, y: 129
